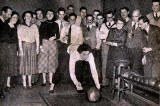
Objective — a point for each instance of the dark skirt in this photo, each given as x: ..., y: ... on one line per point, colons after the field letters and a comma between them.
x: 3, y: 76
x: 48, y: 59
x: 12, y: 60
x: 28, y: 62
x: 114, y: 54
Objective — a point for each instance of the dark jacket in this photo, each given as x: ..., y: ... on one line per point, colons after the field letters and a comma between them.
x: 138, y: 39
x: 154, y: 42
x: 48, y: 29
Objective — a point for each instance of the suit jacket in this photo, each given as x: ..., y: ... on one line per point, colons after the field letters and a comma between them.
x: 90, y: 36
x: 138, y: 39
x: 154, y: 42
x: 152, y: 20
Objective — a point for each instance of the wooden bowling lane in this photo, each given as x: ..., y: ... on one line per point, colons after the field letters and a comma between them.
x: 64, y: 95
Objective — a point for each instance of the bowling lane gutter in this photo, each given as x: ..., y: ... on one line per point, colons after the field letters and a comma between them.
x: 44, y: 99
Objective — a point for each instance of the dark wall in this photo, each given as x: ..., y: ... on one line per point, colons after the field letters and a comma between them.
x: 143, y: 5
x: 22, y: 5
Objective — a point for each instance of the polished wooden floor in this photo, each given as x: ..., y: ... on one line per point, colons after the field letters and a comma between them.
x: 65, y: 95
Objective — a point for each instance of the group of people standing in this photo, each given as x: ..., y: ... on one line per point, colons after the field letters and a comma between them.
x: 45, y: 43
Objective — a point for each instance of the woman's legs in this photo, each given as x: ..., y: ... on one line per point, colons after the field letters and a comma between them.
x: 24, y: 80
x: 30, y: 80
x: 51, y: 82
x: 8, y: 82
x: 44, y: 78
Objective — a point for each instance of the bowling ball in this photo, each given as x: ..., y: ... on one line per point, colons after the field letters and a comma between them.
x: 138, y: 78
x: 135, y: 78
x: 130, y: 76
x: 146, y: 81
x: 152, y: 81
x: 158, y: 84
x: 142, y: 80
x: 93, y: 94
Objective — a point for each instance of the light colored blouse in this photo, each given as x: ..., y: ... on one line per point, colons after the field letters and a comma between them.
x: 28, y: 33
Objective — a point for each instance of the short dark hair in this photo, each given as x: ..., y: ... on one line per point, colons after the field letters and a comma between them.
x: 124, y: 8
x: 144, y: 18
x: 61, y: 9
x: 70, y: 6
x: 96, y: 11
x: 73, y: 14
x: 83, y: 47
x: 89, y: 15
x: 100, y: 15
x: 110, y: 12
x: 15, y: 13
x: 155, y: 1
x: 39, y: 9
x: 82, y: 8
x: 5, y: 8
x: 120, y: 19
x: 50, y: 11
x: 23, y: 15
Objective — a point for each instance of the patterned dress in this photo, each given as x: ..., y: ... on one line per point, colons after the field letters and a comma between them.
x: 29, y: 35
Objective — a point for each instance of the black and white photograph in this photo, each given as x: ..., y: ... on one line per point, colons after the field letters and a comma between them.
x: 79, y: 52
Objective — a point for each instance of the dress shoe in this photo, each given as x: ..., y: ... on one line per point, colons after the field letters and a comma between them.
x: 80, y: 91
x: 44, y: 84
x: 7, y: 89
x: 51, y: 91
x: 2, y: 96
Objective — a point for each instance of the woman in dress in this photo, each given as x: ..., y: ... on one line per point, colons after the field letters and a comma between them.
x: 116, y: 40
x: 48, y: 58
x: 10, y: 32
x: 28, y: 37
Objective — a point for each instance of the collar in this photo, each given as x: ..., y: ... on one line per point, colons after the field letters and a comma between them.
x: 90, y: 26
x: 158, y: 14
x: 147, y: 29
x: 2, y: 19
x: 110, y: 23
x: 136, y: 24
x: 127, y: 19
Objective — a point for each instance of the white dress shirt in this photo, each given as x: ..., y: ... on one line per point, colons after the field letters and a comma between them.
x: 102, y: 33
x: 74, y: 57
x: 136, y: 24
x: 64, y: 23
x: 76, y: 37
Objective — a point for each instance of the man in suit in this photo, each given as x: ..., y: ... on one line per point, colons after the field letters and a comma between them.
x: 135, y: 42
x: 151, y: 58
x: 154, y: 16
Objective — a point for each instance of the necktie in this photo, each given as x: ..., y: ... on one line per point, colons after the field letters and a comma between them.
x: 99, y: 27
x: 69, y: 35
x: 109, y: 24
x: 61, y: 26
x: 134, y: 26
x: 156, y: 17
x: 88, y: 28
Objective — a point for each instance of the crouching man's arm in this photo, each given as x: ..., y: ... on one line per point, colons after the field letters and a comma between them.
x: 94, y: 71
x: 72, y: 62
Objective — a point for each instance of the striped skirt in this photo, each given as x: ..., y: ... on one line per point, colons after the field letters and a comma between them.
x: 28, y: 62
x: 48, y: 58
